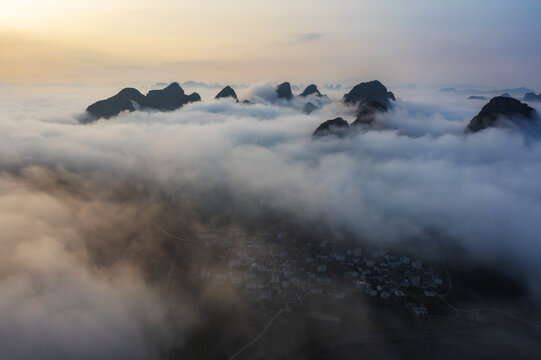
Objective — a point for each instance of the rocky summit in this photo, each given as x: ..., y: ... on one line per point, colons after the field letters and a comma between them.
x: 284, y: 91
x: 336, y: 126
x: 129, y: 99
x: 366, y: 92
x: 125, y: 100
x: 311, y: 90
x: 170, y: 98
x: 499, y: 108
x: 227, y: 92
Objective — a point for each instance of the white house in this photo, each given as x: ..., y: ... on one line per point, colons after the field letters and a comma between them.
x: 405, y: 260
x: 316, y: 291
x: 219, y: 278
x: 265, y: 294
x: 419, y: 310
x: 250, y: 287
x: 275, y: 278
x: 415, y: 280
x: 204, y: 274
x: 235, y: 278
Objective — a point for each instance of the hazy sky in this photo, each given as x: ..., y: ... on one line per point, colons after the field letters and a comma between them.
x: 486, y: 42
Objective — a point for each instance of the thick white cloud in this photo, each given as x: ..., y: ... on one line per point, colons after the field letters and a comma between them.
x: 419, y: 174
x: 55, y: 300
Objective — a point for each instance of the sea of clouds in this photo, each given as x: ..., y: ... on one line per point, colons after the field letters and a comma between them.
x: 75, y: 199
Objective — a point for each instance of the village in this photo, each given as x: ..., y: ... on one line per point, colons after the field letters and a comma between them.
x: 266, y: 270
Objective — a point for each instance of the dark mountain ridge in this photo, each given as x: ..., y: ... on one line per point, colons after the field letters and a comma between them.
x: 283, y: 91
x: 311, y: 90
x: 227, y: 92
x: 336, y: 126
x: 170, y: 98
x: 366, y: 92
x: 499, y: 108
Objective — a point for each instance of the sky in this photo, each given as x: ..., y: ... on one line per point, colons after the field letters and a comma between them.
x: 487, y: 43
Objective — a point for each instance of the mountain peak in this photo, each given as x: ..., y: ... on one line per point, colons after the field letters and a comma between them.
x: 227, y: 92
x: 168, y: 99
x: 336, y: 126
x: 501, y: 107
x: 368, y: 91
x: 311, y: 90
x: 284, y: 91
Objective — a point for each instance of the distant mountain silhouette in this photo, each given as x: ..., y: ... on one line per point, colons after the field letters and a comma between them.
x: 501, y: 108
x: 451, y: 90
x: 198, y: 84
x: 193, y: 97
x: 311, y: 90
x: 309, y: 108
x: 332, y: 87
x: 506, y: 95
x: 284, y: 91
x: 125, y: 100
x: 477, y: 97
x: 336, y: 126
x: 227, y: 92
x: 513, y: 91
x: 129, y: 99
x: 168, y: 99
x: 369, y: 112
x: 366, y: 92
x: 531, y: 96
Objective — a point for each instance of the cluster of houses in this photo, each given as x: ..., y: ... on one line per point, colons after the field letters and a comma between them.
x: 263, y: 268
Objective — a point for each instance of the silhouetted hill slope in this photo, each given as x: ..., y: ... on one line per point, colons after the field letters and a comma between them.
x: 170, y: 98
x: 309, y: 108
x: 227, y: 92
x: 284, y: 91
x: 369, y: 112
x: 368, y: 91
x: 311, y: 90
x: 336, y: 126
x: 531, y: 96
x: 125, y: 100
x: 501, y: 108
x: 129, y: 99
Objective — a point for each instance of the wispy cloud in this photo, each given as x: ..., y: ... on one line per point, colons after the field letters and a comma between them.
x: 306, y: 37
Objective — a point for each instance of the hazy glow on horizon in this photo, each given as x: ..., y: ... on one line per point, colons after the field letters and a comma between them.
x: 488, y: 42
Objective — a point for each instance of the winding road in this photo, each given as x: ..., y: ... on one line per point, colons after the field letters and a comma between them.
x: 459, y: 310
x: 259, y: 335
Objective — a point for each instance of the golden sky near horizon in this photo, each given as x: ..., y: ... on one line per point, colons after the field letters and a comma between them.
x: 66, y: 41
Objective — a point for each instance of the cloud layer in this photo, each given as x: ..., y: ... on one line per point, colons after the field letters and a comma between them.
x: 77, y: 200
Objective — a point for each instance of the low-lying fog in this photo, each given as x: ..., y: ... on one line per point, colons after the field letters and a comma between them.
x: 75, y: 198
